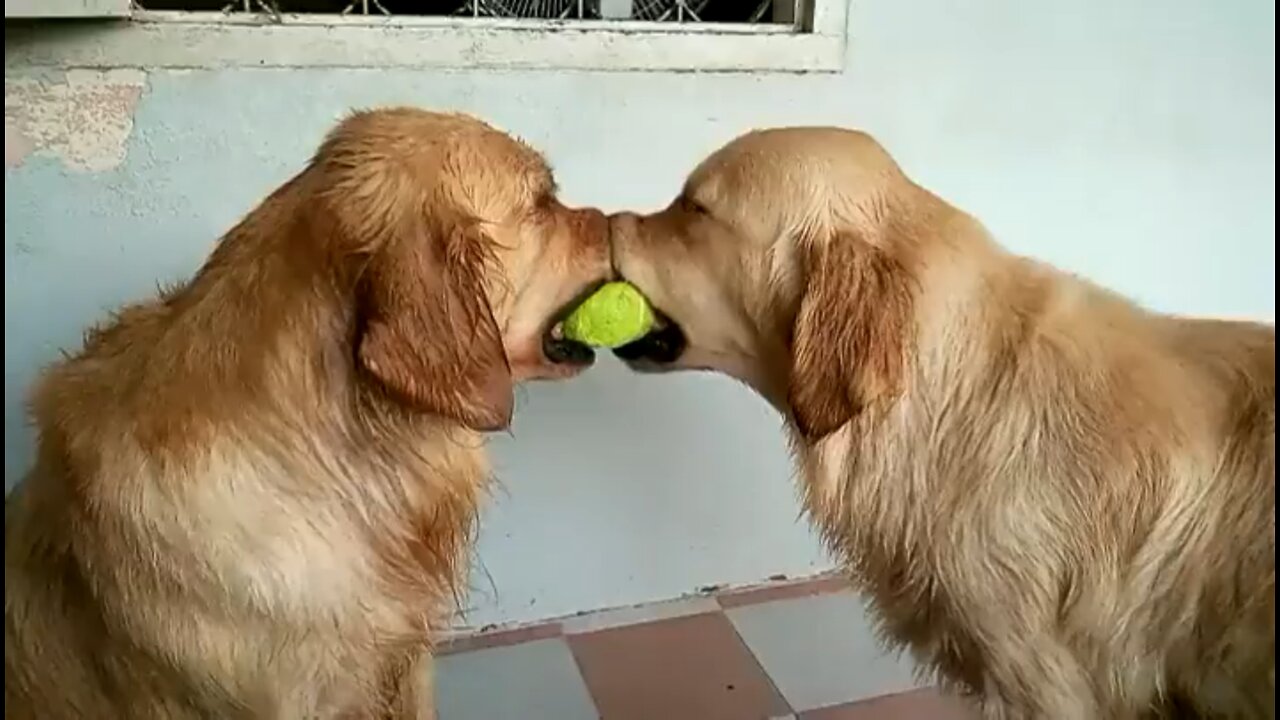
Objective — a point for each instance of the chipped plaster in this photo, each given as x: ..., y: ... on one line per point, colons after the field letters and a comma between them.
x: 83, y: 118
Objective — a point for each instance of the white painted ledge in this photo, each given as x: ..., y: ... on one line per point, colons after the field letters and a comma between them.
x: 213, y: 40
x: 66, y: 8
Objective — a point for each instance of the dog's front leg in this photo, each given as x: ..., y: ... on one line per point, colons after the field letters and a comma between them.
x: 415, y: 690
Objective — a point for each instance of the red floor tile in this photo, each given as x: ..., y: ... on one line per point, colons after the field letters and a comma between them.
x: 693, y: 668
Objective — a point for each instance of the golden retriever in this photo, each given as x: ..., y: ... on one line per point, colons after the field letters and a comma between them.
x: 1061, y: 503
x: 254, y: 495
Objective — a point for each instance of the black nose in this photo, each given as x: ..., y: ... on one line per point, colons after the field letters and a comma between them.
x: 567, y: 352
x: 663, y: 346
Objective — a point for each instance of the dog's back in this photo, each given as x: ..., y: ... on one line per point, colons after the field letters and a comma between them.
x: 1146, y: 481
x: 1225, y: 656
x: 47, y: 652
x: 1155, y: 435
x: 1071, y: 509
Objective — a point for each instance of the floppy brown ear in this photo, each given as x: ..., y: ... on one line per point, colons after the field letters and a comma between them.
x: 429, y: 336
x: 849, y: 340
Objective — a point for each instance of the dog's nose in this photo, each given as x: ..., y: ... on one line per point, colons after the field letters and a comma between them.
x: 623, y: 228
x: 623, y: 223
x: 594, y: 224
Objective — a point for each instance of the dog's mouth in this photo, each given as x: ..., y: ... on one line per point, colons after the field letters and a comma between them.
x: 662, y: 347
x: 556, y: 347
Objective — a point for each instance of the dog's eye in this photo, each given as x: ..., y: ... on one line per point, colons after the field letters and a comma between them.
x: 693, y: 206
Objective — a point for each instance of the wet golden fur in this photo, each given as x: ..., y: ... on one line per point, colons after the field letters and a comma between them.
x: 254, y: 495
x: 1062, y: 503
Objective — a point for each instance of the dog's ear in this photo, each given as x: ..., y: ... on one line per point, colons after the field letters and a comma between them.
x: 428, y: 334
x: 849, y: 340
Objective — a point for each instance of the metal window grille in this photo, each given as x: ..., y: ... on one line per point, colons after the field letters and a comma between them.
x: 663, y: 11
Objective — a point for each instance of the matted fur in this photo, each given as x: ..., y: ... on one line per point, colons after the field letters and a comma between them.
x: 1060, y: 502
x: 254, y: 495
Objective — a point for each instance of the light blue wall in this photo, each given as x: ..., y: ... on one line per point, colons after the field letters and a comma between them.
x: 1131, y: 141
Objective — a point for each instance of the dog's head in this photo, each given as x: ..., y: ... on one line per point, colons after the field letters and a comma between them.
x: 459, y: 255
x: 786, y: 263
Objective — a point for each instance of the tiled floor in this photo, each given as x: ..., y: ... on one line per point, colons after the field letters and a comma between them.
x: 796, y: 650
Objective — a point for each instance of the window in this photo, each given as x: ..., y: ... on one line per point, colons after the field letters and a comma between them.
x: 681, y: 35
x: 670, y: 11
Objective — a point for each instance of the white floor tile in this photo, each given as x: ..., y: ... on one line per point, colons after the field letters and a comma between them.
x: 532, y: 681
x: 820, y: 650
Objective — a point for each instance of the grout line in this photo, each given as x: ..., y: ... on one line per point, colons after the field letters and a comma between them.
x: 578, y: 667
x: 874, y: 701
x: 742, y: 642
x: 582, y: 677
x: 711, y: 599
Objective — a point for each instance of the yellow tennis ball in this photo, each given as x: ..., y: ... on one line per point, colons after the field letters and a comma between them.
x: 612, y: 316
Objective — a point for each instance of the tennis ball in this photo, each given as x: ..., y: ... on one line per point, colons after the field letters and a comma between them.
x: 612, y: 316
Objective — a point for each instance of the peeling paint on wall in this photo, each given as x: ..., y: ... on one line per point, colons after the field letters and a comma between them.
x: 16, y: 145
x: 83, y: 118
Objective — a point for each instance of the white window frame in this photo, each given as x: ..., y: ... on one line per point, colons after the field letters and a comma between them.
x: 202, y: 40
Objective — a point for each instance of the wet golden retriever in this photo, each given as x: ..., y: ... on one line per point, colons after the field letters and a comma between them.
x: 254, y: 495
x: 1060, y: 502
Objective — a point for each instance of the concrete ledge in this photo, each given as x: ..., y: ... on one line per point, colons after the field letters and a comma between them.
x: 213, y: 40
x: 67, y: 8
